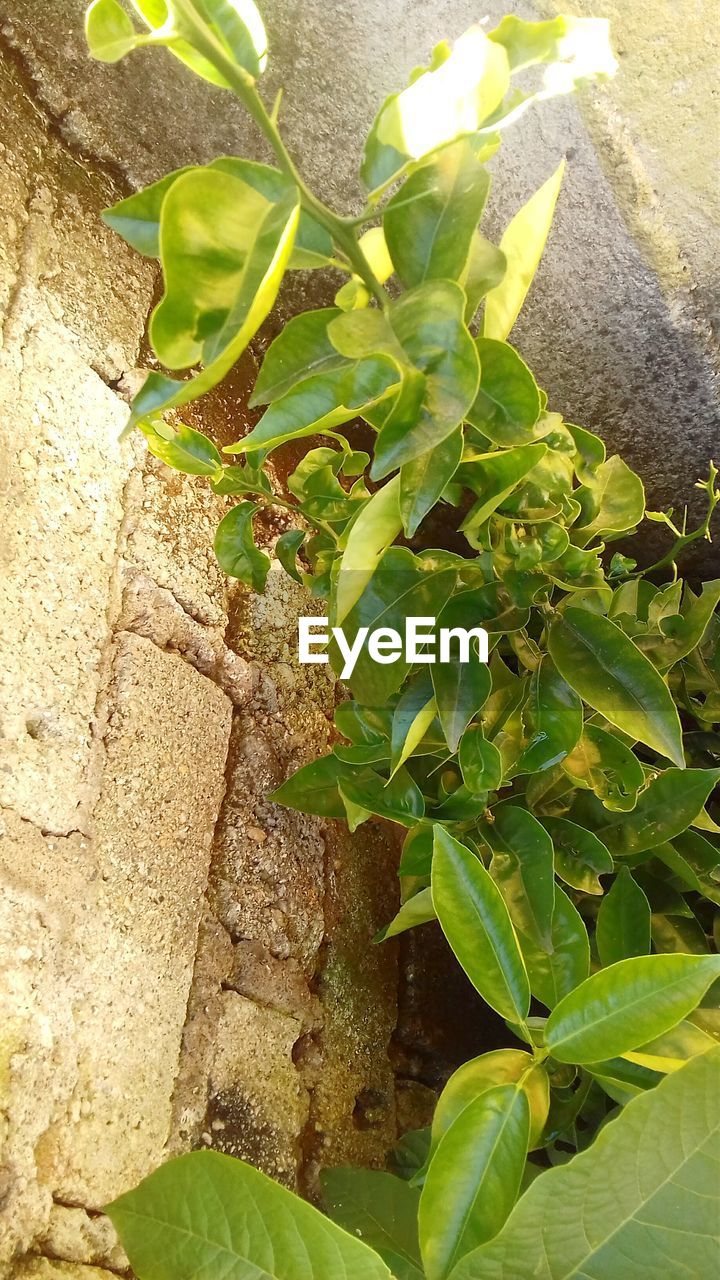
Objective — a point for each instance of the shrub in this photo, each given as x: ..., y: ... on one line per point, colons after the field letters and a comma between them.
x: 554, y: 798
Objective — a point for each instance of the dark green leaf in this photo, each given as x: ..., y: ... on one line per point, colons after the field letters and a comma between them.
x: 552, y: 719
x: 623, y: 923
x: 461, y: 688
x: 300, y: 351
x: 398, y: 800
x: 314, y: 788
x: 668, y: 805
x: 475, y: 921
x: 611, y: 674
x: 424, y: 479
x: 235, y: 547
x: 480, y: 762
x: 183, y: 448
x: 379, y: 1209
x: 493, y: 476
x: 286, y: 550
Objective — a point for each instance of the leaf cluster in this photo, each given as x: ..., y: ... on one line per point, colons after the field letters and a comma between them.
x: 557, y: 801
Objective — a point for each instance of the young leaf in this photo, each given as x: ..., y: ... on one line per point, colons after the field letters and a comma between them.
x: 430, y: 222
x: 631, y: 1205
x: 417, y: 910
x: 379, y: 1209
x: 376, y: 527
x: 622, y: 929
x: 235, y: 25
x: 474, y: 1177
x: 235, y: 547
x: 610, y: 673
x: 493, y: 476
x: 522, y: 868
x: 554, y: 974
x: 475, y: 921
x: 507, y: 405
x: 626, y: 1005
x: 208, y: 1214
x: 579, y: 856
x: 109, y: 32
x: 448, y: 101
x: 183, y: 448
x: 611, y: 502
x: 522, y: 243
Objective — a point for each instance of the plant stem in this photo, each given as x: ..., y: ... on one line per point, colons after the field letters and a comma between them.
x: 243, y: 86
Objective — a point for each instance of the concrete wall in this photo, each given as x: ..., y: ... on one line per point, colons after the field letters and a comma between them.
x: 182, y: 962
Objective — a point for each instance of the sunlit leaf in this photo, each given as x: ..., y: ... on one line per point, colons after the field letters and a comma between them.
x: 522, y: 243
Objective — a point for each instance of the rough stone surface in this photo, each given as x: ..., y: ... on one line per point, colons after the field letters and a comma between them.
x: 72, y: 1235
x: 258, y: 1102
x: 48, y: 1269
x: 165, y: 749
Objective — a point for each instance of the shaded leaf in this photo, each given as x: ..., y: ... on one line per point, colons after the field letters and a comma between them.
x: 379, y: 1209
x: 235, y: 547
x: 623, y: 922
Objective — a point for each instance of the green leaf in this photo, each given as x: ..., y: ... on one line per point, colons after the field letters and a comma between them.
x: 225, y: 249
x: 430, y: 222
x: 605, y: 765
x: 461, y: 688
x: 553, y: 975
x: 626, y: 1005
x: 376, y: 527
x: 322, y: 402
x: 300, y: 350
x: 109, y: 32
x: 667, y: 806
x: 235, y: 547
x: 681, y: 634
x: 500, y: 1066
x: 417, y: 852
x: 429, y: 324
x: 480, y: 762
x: 552, y: 720
x: 522, y: 243
x: 579, y: 45
x: 522, y: 868
x: 423, y: 480
x: 403, y: 586
x: 448, y: 101
x: 474, y: 1178
x: 642, y: 1201
x: 314, y: 788
x: 235, y: 25
x: 206, y: 1215
x: 286, y: 550
x: 399, y: 800
x: 484, y: 269
x: 672, y: 1050
x: 379, y: 1209
x: 417, y: 910
x: 611, y: 503
x: 475, y: 921
x: 579, y: 856
x: 507, y: 406
x: 493, y: 476
x: 623, y: 922
x: 412, y: 717
x: 601, y: 664
x: 183, y: 448
x: 137, y: 217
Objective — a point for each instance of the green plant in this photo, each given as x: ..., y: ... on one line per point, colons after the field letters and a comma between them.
x: 555, y: 798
